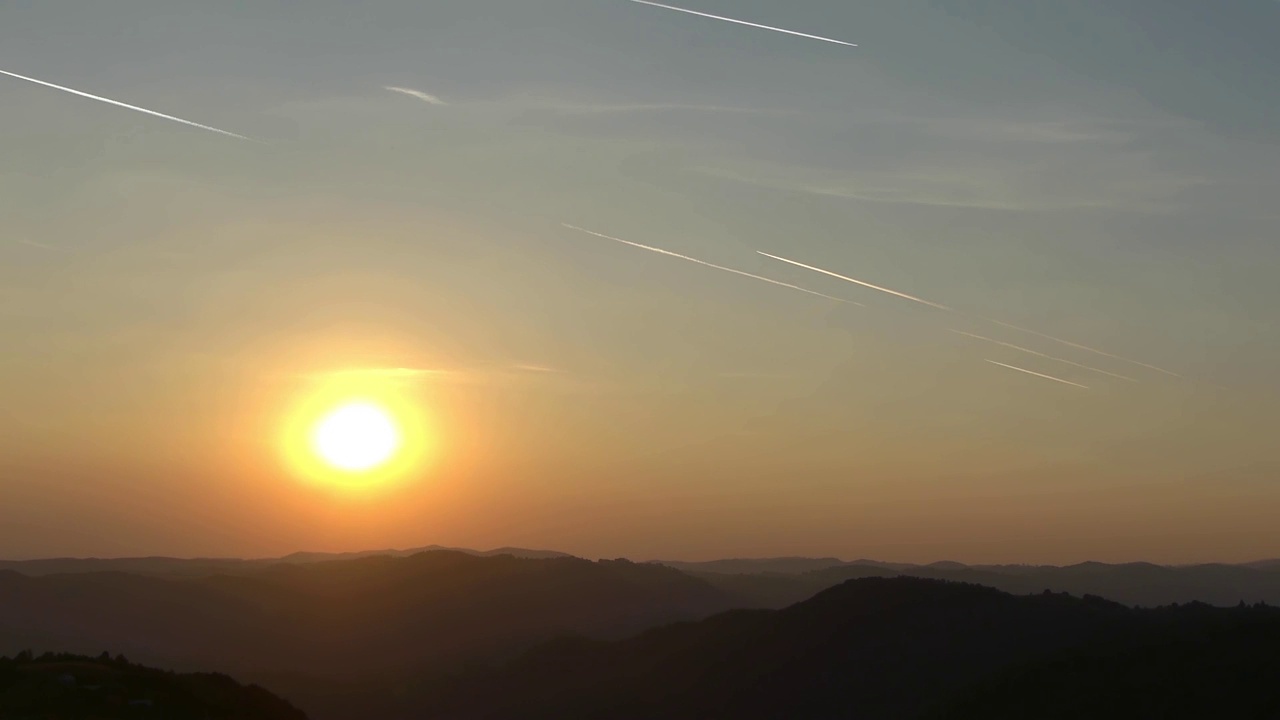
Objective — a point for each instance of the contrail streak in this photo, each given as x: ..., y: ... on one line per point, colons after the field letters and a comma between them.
x: 1040, y: 354
x: 857, y: 282
x: 425, y: 97
x: 660, y: 251
x: 1084, y: 347
x: 127, y: 106
x: 980, y: 317
x: 744, y: 22
x: 1046, y: 377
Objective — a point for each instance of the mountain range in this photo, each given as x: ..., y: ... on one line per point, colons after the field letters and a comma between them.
x: 409, y: 633
x: 776, y: 582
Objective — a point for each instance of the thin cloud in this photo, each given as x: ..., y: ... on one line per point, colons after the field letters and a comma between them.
x: 393, y: 373
x: 535, y: 368
x: 744, y: 22
x: 1083, y: 347
x: 127, y: 106
x: 1040, y: 354
x: 42, y: 246
x: 1130, y: 183
x: 710, y: 265
x: 425, y: 97
x: 979, y: 317
x: 754, y: 376
x: 621, y: 108
x: 857, y: 282
x: 1032, y: 372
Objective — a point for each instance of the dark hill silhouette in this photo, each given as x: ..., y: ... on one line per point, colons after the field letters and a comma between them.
x: 1200, y: 662
x: 75, y: 686
x: 870, y: 648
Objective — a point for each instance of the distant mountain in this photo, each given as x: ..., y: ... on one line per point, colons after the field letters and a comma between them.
x: 1139, y: 584
x: 783, y: 565
x: 893, y: 648
x: 197, y: 567
x: 381, y: 618
x: 304, y: 557
x: 72, y: 686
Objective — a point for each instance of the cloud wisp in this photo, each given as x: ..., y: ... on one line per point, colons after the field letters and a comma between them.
x: 425, y: 97
x: 42, y: 246
x: 744, y: 22
x: 660, y: 251
x: 979, y: 317
x: 127, y: 106
x: 384, y: 373
x: 1040, y: 354
x: 569, y: 108
x: 1042, y: 375
x: 524, y: 367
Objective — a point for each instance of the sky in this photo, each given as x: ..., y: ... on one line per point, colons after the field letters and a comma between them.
x: 1098, y: 172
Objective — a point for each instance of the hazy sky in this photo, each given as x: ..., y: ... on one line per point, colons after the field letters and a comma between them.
x: 1103, y: 172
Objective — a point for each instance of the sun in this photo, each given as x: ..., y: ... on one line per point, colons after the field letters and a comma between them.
x: 360, y: 434
x: 356, y: 437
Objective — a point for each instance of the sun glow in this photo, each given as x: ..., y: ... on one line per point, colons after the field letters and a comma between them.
x: 356, y: 437
x: 356, y: 433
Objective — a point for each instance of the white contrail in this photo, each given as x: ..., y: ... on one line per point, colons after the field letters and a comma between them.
x: 1040, y: 354
x: 979, y: 317
x: 744, y: 22
x: 1046, y: 377
x: 857, y: 282
x: 127, y: 106
x: 1083, y: 347
x: 425, y: 97
x: 660, y: 251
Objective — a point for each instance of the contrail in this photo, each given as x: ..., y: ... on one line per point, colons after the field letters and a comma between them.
x: 979, y: 317
x: 1083, y: 347
x: 857, y: 282
x: 127, y: 106
x: 744, y: 22
x: 1047, y: 377
x: 1040, y: 354
x: 660, y: 251
x: 425, y: 97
